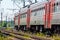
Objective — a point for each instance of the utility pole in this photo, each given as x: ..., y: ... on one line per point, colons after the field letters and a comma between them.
x: 11, y: 22
x: 6, y: 21
x: 1, y: 13
x: 35, y: 1
x: 0, y: 1
x: 23, y: 3
x: 1, y: 19
x: 30, y: 2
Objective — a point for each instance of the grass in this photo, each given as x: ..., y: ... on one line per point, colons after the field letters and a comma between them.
x: 8, y: 28
x: 56, y: 37
x: 2, y: 37
x: 24, y: 33
x: 40, y: 34
x: 29, y: 35
x: 25, y: 36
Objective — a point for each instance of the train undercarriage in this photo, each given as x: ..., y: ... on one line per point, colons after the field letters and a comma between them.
x: 55, y: 29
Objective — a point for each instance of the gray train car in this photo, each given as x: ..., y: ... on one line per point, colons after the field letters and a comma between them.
x: 37, y: 18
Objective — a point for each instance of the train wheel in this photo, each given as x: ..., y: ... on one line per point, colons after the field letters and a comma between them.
x: 33, y: 28
x: 16, y: 27
x: 24, y: 28
x: 41, y: 29
x: 56, y: 29
x: 36, y: 29
x: 48, y: 32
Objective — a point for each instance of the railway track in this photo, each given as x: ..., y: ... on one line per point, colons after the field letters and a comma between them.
x: 21, y: 35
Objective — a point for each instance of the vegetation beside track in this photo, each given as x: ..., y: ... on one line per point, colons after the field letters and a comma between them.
x: 24, y: 37
x: 41, y: 35
x: 56, y: 37
x: 8, y: 28
x: 2, y: 37
x: 20, y: 32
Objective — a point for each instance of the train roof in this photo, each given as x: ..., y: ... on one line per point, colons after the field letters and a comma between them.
x: 34, y: 7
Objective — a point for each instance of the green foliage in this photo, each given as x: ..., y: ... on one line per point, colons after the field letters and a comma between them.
x: 56, y: 37
x: 4, y: 24
x: 2, y: 37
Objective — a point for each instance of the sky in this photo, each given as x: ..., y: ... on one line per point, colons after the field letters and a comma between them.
x: 5, y: 7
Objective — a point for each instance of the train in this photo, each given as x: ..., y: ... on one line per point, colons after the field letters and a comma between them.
x: 31, y: 18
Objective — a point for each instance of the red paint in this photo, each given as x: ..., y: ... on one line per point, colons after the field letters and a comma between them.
x: 49, y: 9
x: 46, y: 15
x: 28, y: 17
x: 50, y: 16
x: 18, y: 19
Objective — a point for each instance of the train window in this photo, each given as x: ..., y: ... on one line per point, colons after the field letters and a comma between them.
x: 21, y: 16
x: 35, y: 13
x: 16, y: 17
x: 55, y: 7
x: 58, y: 8
x: 42, y: 8
x: 38, y: 9
x: 38, y: 13
x: 32, y: 13
x: 58, y: 3
x: 24, y: 15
